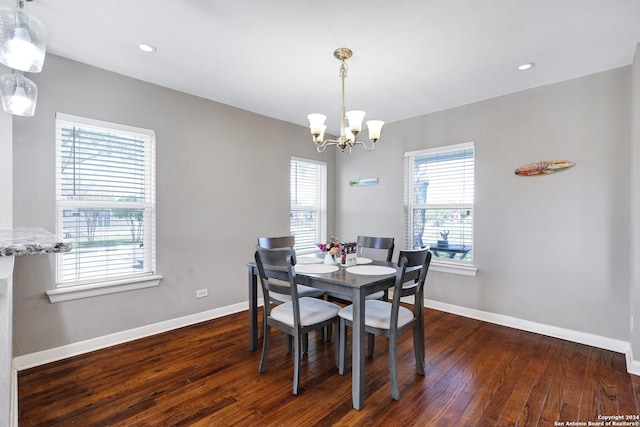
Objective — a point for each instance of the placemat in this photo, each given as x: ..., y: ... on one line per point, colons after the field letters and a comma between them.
x: 371, y: 270
x: 316, y: 268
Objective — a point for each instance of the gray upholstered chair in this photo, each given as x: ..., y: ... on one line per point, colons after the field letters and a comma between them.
x: 296, y: 317
x: 391, y: 320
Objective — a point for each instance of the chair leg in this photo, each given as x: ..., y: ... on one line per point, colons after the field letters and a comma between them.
x: 289, y: 344
x: 418, y: 345
x: 370, y: 344
x: 265, y: 348
x: 422, y: 330
x: 296, y: 363
x: 305, y: 344
x: 337, y: 345
x: 393, y: 367
x: 330, y: 331
x: 342, y: 334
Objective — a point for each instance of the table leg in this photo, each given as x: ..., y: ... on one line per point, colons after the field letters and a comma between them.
x: 253, y: 309
x: 358, y: 361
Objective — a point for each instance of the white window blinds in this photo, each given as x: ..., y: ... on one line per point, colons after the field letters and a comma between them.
x: 308, y: 202
x: 439, y: 201
x: 105, y: 193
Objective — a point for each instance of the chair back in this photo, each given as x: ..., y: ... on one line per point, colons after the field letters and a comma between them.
x: 276, y: 268
x: 376, y: 243
x: 277, y: 242
x: 276, y: 271
x: 407, y: 260
x: 417, y: 258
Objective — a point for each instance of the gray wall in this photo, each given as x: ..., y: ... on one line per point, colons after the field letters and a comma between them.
x: 222, y: 180
x: 551, y: 249
x: 6, y: 166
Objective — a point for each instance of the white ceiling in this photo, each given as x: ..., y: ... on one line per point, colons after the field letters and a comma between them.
x: 411, y: 57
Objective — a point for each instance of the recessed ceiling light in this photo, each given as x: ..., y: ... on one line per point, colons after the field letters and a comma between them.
x: 146, y: 47
x: 526, y: 66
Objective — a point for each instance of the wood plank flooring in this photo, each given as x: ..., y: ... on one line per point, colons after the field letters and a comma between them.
x: 477, y: 374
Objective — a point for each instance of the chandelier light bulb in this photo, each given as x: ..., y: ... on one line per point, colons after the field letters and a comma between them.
x: 20, y: 50
x: 19, y: 102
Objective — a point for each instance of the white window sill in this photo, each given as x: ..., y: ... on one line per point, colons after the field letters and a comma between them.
x: 452, y: 268
x: 87, y: 291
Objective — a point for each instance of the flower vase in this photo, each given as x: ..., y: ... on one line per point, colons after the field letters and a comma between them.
x: 328, y: 258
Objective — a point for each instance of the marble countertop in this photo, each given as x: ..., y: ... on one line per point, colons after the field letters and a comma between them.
x: 30, y: 241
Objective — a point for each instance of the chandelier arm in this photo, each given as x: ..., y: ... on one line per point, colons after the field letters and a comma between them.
x: 321, y: 146
x: 373, y: 145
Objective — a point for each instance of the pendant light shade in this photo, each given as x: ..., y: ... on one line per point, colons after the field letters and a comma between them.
x: 19, y: 94
x: 23, y: 40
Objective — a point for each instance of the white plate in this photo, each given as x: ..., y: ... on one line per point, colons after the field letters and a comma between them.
x: 371, y: 270
x: 362, y: 260
x: 316, y: 268
x: 308, y: 260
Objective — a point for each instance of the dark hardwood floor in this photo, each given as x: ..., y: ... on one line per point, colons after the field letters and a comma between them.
x: 477, y: 374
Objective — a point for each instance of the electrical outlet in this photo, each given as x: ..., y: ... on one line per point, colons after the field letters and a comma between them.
x: 201, y: 293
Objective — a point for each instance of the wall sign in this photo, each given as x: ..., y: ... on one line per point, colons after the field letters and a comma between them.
x: 363, y: 181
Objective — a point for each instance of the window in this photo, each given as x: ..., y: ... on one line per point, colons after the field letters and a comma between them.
x: 439, y: 191
x: 308, y: 203
x: 105, y: 195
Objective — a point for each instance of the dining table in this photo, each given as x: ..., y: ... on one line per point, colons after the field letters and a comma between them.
x: 357, y: 282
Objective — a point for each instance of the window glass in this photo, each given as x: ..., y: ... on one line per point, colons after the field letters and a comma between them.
x: 439, y: 197
x: 105, y: 193
x: 308, y: 202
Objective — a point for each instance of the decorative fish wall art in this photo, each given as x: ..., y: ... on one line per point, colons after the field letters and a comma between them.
x: 543, y: 168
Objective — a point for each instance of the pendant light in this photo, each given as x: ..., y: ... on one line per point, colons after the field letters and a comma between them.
x: 19, y: 94
x: 23, y: 39
x: 23, y: 44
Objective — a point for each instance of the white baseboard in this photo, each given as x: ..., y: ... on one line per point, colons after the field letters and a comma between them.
x: 619, y: 346
x: 47, y: 356
x: 42, y: 357
x: 633, y: 366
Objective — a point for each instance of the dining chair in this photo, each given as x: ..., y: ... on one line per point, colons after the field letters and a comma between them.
x: 380, y: 249
x: 288, y: 242
x: 303, y: 291
x: 391, y: 320
x: 296, y: 317
x: 366, y: 243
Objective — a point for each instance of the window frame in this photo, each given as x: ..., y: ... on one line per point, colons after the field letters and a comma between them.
x: 320, y: 207
x: 446, y: 265
x: 68, y: 290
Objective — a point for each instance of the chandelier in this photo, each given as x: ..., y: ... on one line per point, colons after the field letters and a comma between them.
x: 347, y: 138
x: 22, y: 48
